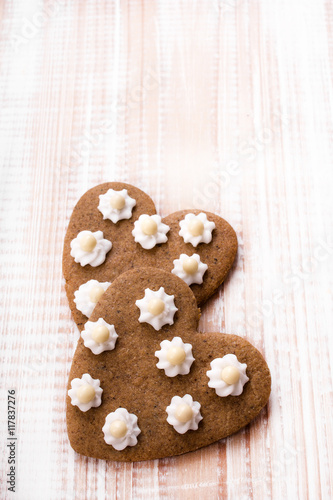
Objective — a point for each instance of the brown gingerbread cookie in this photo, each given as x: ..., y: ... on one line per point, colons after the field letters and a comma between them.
x: 114, y: 228
x: 144, y: 384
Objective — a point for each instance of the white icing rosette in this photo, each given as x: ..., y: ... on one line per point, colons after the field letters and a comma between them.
x: 184, y: 413
x: 85, y: 393
x: 121, y: 429
x: 196, y: 229
x: 175, y: 357
x: 88, y: 294
x: 99, y: 336
x: 116, y: 205
x: 227, y: 376
x: 189, y: 268
x: 150, y: 231
x: 157, y: 308
x: 90, y: 248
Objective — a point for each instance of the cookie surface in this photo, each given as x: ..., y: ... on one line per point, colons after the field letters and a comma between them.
x: 126, y: 254
x: 130, y: 379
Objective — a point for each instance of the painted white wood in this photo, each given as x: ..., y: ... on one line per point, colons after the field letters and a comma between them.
x: 225, y: 105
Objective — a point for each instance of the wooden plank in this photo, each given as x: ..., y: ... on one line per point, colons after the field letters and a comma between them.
x: 224, y: 105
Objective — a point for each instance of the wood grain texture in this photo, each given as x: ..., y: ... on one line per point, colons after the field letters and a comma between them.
x: 224, y: 105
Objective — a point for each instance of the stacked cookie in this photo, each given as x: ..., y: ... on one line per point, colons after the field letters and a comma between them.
x: 144, y: 383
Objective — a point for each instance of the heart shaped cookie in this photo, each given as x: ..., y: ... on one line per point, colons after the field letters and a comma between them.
x: 144, y: 384
x: 114, y: 228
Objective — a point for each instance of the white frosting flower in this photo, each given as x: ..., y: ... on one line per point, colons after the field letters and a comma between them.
x: 157, y: 308
x: 150, y: 231
x: 175, y: 357
x: 85, y: 392
x: 189, y: 268
x: 116, y: 205
x: 227, y: 376
x: 121, y: 429
x: 196, y: 229
x: 88, y: 294
x: 90, y: 248
x: 184, y: 413
x: 99, y: 336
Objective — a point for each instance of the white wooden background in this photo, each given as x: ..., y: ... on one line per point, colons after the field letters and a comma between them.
x: 225, y: 105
